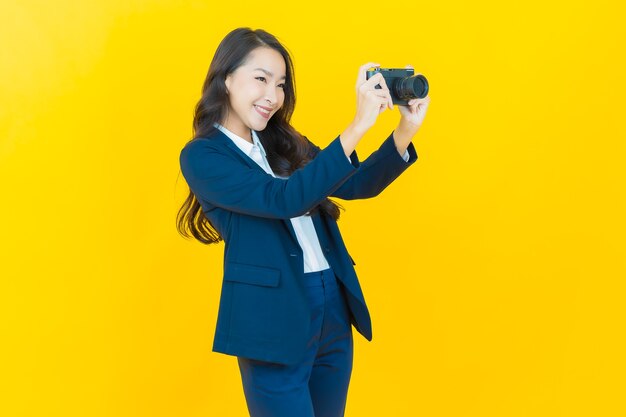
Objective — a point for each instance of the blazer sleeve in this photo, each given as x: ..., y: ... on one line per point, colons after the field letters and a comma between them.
x: 224, y: 181
x: 376, y: 172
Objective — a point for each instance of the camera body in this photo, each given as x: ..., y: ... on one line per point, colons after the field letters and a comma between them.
x: 403, y: 84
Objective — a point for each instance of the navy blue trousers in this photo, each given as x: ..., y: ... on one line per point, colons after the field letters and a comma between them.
x: 318, y: 386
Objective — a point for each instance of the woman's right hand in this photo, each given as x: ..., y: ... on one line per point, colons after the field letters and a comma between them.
x: 370, y: 101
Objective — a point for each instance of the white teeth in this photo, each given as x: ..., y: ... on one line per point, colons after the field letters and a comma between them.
x: 262, y: 109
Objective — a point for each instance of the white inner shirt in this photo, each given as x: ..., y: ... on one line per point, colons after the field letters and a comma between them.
x: 314, y: 259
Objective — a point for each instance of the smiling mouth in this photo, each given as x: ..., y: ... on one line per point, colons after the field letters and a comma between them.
x: 262, y: 111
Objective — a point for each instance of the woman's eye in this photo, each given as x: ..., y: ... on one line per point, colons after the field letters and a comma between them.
x: 263, y: 78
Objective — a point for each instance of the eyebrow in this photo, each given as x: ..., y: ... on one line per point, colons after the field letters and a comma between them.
x: 270, y: 74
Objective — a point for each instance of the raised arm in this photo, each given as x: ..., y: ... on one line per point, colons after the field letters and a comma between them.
x: 222, y: 180
x: 375, y: 173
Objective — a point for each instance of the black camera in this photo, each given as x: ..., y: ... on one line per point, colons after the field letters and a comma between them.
x: 402, y: 83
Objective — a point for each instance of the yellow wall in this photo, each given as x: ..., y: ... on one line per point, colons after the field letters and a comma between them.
x: 495, y: 280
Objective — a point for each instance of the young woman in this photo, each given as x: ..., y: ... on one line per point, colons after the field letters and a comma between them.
x: 289, y: 292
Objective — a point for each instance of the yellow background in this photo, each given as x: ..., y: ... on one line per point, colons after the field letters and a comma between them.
x: 493, y: 268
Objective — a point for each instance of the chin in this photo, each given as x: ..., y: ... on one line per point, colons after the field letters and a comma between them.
x: 259, y: 126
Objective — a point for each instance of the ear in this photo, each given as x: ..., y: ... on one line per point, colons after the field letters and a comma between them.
x: 227, y: 82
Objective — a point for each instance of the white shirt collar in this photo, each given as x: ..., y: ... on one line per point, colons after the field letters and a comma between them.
x: 243, y: 144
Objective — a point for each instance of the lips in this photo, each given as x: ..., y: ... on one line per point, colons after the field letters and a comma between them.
x: 263, y: 111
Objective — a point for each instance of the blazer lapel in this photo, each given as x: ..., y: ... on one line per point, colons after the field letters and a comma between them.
x: 220, y: 138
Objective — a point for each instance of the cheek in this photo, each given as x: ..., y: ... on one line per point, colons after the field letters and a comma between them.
x: 253, y: 90
x: 248, y: 94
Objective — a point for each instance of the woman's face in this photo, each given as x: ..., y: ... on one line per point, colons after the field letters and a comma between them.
x: 256, y: 91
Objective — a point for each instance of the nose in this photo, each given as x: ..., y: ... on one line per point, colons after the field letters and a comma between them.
x: 270, y: 96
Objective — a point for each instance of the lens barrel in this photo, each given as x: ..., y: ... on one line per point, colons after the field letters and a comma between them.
x: 415, y: 86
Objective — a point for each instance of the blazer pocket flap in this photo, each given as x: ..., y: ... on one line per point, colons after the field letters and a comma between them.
x: 251, y: 274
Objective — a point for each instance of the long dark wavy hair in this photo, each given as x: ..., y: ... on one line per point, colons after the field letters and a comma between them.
x: 286, y: 149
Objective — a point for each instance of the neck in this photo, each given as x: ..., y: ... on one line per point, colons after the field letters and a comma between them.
x: 239, y: 129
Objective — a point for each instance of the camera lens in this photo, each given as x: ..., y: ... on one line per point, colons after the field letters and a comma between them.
x: 415, y: 86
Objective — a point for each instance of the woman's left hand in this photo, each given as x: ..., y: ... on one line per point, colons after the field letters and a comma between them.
x: 413, y: 114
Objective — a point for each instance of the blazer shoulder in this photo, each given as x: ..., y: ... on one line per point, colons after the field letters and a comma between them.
x: 202, y: 155
x: 200, y: 145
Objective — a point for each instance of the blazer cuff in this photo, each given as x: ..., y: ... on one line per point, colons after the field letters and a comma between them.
x: 352, y: 159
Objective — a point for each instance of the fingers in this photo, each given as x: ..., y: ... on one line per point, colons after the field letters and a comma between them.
x: 418, y: 104
x: 383, y: 84
x: 375, y: 100
x: 383, y: 98
x: 371, y: 101
x: 384, y: 106
x: 419, y: 100
x: 377, y: 79
x: 372, y: 82
x: 362, y: 72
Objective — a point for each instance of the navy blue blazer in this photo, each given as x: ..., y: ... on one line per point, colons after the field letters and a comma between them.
x: 263, y: 310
